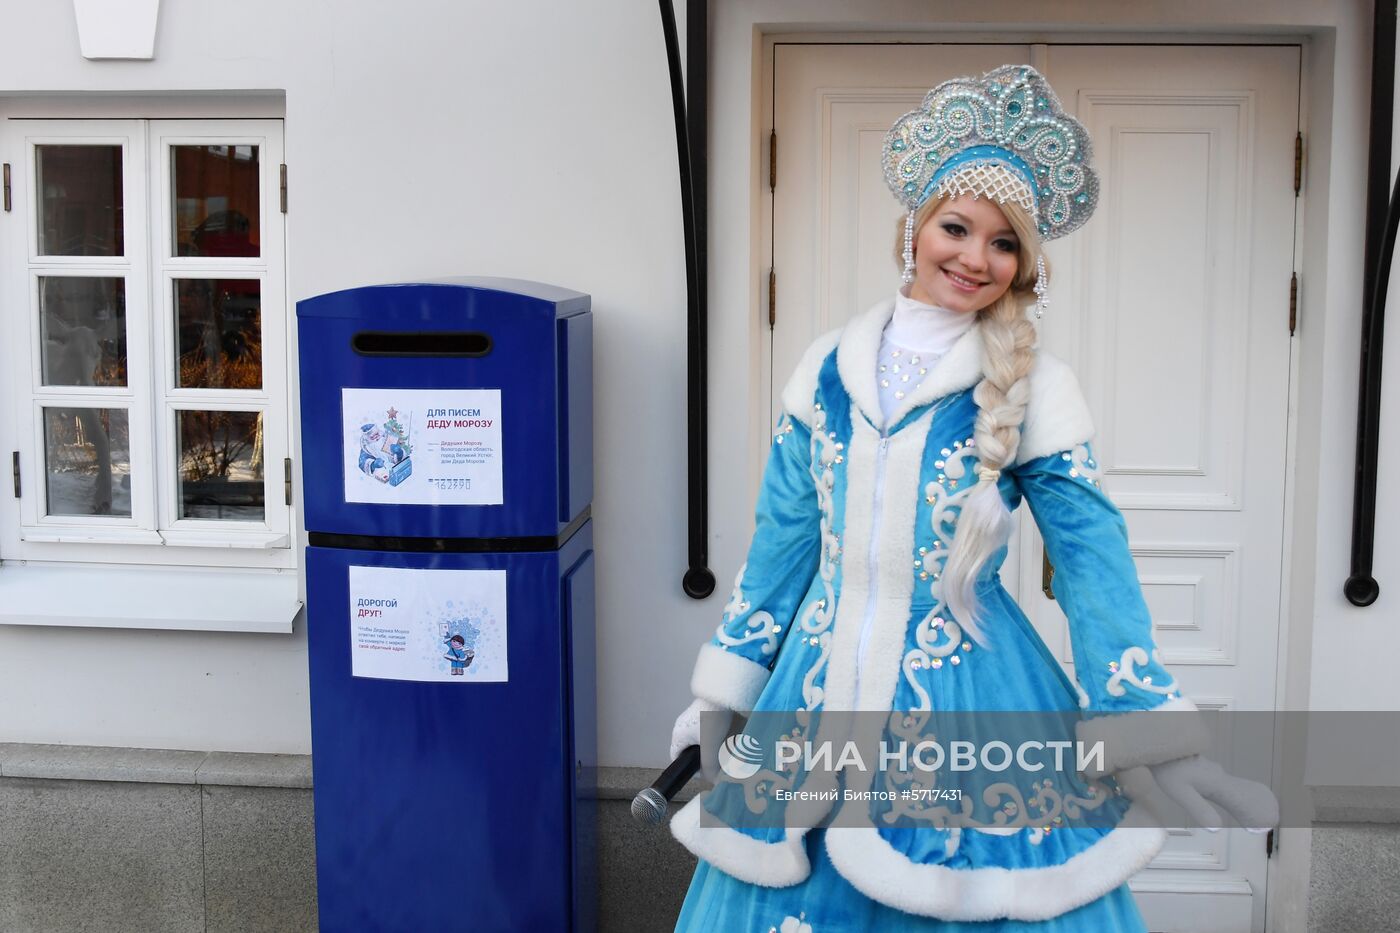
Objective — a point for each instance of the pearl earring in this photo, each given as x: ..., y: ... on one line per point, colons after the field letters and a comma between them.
x: 1042, y: 287
x: 908, y: 275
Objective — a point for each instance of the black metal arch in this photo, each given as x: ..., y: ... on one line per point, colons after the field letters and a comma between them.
x: 1361, y: 588
x: 688, y: 105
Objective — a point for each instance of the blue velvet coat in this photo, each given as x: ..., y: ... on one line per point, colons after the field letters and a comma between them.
x: 854, y: 520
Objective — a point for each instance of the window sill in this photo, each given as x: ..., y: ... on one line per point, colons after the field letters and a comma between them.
x: 148, y: 598
x: 227, y: 539
x: 73, y: 534
x: 175, y: 537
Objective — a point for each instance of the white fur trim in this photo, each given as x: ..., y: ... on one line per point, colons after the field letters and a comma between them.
x: 884, y: 650
x: 879, y: 674
x: 857, y: 357
x: 729, y: 679
x: 772, y: 865
x: 801, y: 388
x: 869, y: 863
x: 1132, y: 739
x: 1057, y: 417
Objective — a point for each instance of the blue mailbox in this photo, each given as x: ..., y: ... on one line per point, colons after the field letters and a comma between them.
x: 447, y: 477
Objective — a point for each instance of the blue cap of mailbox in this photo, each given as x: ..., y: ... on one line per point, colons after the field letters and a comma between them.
x: 456, y: 408
x: 348, y: 303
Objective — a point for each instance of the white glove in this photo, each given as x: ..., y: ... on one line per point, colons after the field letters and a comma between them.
x: 1191, y: 782
x: 686, y: 732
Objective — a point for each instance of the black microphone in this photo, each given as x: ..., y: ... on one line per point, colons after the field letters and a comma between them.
x: 649, y: 806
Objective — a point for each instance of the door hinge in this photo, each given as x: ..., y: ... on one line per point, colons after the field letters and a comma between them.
x: 282, y: 174
x: 773, y: 160
x: 1298, y: 163
x: 1293, y: 304
x: 1269, y: 844
x: 14, y: 459
x: 7, y: 187
x: 1047, y: 574
x: 772, y: 297
x: 287, y: 479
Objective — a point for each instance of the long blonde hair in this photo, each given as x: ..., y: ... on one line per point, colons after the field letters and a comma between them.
x: 1008, y: 336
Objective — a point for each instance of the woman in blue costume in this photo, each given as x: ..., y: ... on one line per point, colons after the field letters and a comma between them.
x: 907, y: 440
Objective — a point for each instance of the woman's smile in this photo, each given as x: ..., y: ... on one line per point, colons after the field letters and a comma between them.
x: 962, y: 282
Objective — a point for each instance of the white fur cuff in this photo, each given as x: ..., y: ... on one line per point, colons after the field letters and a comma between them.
x: 731, y: 680
x: 1144, y: 737
x: 772, y: 865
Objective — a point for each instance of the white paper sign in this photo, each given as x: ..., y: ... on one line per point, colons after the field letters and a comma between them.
x: 434, y: 625
x: 422, y: 446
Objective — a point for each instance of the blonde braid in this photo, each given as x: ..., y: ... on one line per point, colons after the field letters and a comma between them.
x: 1008, y: 339
x: 984, y: 523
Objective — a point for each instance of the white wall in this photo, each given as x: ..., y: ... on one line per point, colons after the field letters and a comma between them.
x: 1354, y: 648
x: 529, y: 139
x: 535, y: 140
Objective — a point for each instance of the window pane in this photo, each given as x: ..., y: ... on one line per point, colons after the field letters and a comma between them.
x: 221, y: 465
x: 82, y: 324
x: 87, y: 461
x: 80, y: 200
x: 219, y: 333
x: 215, y: 200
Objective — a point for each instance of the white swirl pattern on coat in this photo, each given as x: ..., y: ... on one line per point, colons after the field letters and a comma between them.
x: 759, y: 625
x: 1127, y: 670
x: 815, y: 623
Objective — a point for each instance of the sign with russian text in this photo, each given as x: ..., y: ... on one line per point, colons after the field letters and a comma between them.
x: 422, y: 446
x: 433, y: 625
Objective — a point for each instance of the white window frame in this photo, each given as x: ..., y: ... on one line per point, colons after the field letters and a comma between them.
x: 153, y: 536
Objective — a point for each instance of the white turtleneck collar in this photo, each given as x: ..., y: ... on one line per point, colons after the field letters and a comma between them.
x: 914, y: 340
x: 925, y: 328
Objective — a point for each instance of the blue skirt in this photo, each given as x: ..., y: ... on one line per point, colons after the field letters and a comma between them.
x: 826, y: 903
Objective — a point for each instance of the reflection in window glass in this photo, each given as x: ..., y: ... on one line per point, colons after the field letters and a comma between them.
x: 82, y: 323
x: 215, y: 199
x: 79, y: 199
x: 219, y: 333
x: 221, y: 465
x: 87, y: 461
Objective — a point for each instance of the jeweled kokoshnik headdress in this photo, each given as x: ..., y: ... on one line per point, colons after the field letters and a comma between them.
x: 1003, y: 136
